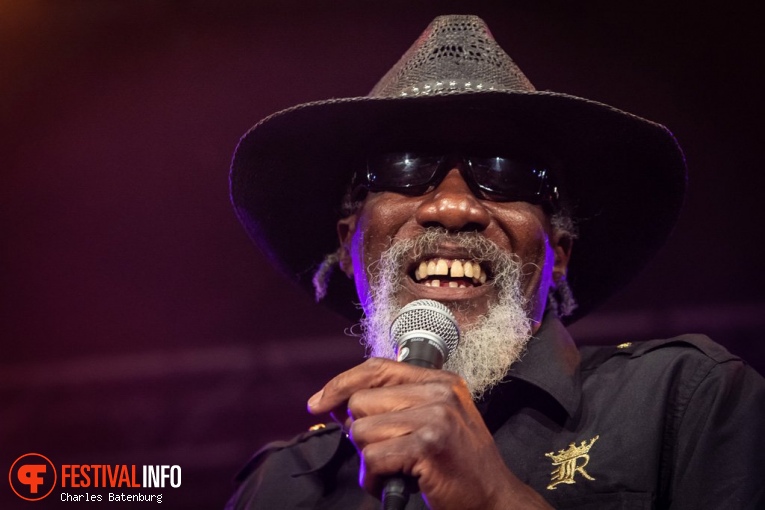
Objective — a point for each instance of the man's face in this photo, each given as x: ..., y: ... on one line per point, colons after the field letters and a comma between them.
x: 519, y: 229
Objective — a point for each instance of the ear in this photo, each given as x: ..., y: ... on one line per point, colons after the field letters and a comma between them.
x: 346, y: 227
x: 562, y: 247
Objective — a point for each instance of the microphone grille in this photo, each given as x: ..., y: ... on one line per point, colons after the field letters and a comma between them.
x: 427, y: 315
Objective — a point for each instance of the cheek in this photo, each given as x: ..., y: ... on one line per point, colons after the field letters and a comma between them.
x: 524, y: 226
x: 384, y: 217
x: 524, y: 229
x: 375, y: 228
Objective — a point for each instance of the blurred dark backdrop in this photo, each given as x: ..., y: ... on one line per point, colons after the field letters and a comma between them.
x: 138, y: 323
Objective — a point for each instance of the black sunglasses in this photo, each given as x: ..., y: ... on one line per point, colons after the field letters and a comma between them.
x: 497, y: 179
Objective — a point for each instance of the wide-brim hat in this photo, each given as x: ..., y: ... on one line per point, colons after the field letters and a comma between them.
x: 622, y: 177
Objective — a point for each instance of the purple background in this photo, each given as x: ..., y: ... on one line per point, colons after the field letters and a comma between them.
x: 139, y: 324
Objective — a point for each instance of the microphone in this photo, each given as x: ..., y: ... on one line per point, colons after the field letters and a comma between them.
x: 425, y: 332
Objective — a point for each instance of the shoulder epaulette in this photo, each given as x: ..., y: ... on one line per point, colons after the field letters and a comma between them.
x: 596, y: 355
x: 701, y: 343
x: 275, y: 446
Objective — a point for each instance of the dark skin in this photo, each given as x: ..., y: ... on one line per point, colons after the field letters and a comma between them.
x: 422, y: 422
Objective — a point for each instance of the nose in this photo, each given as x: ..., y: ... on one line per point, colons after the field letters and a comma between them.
x: 453, y: 205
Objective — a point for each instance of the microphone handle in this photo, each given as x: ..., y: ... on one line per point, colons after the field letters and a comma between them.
x: 395, y: 494
x: 421, y: 353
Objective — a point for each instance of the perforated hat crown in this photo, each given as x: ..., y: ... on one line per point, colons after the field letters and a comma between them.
x: 622, y: 176
x: 454, y: 54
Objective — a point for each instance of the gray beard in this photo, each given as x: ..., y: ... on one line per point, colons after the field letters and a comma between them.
x: 488, y: 347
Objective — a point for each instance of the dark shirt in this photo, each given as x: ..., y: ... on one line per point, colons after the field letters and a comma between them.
x: 672, y: 423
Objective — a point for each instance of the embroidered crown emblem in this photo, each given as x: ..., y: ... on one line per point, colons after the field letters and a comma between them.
x: 569, y: 463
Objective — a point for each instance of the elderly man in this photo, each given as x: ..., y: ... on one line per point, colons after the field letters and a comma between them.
x: 456, y: 181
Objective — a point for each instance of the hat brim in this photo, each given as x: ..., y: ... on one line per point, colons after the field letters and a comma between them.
x: 623, y: 176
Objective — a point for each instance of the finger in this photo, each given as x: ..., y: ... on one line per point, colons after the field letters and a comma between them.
x: 383, y: 400
x: 432, y: 422
x: 415, y: 454
x: 380, y: 461
x: 373, y: 373
x: 451, y: 391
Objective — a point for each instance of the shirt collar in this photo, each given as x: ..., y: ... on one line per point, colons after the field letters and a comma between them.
x: 551, y: 363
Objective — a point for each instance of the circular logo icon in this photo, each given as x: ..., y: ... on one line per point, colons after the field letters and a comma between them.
x: 32, y: 476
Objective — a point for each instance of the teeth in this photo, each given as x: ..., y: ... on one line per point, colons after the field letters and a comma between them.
x: 450, y: 267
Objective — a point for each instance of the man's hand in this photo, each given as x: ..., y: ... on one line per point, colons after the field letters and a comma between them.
x: 422, y: 423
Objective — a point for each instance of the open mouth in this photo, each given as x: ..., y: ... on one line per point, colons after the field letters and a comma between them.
x: 455, y: 273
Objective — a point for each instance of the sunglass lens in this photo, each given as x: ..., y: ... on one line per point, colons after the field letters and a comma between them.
x: 400, y: 170
x: 506, y: 179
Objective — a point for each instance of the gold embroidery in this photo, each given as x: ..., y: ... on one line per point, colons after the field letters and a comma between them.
x: 568, y: 460
x: 318, y: 426
x: 624, y: 345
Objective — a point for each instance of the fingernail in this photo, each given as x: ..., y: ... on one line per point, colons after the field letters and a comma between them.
x: 315, y: 398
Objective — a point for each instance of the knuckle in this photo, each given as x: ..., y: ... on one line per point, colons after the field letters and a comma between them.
x: 357, y: 432
x: 440, y: 414
x: 431, y: 438
x: 360, y: 404
x: 446, y: 392
x: 354, y: 406
x: 370, y: 457
x: 378, y: 369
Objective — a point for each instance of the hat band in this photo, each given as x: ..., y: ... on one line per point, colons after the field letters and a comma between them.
x: 448, y: 87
